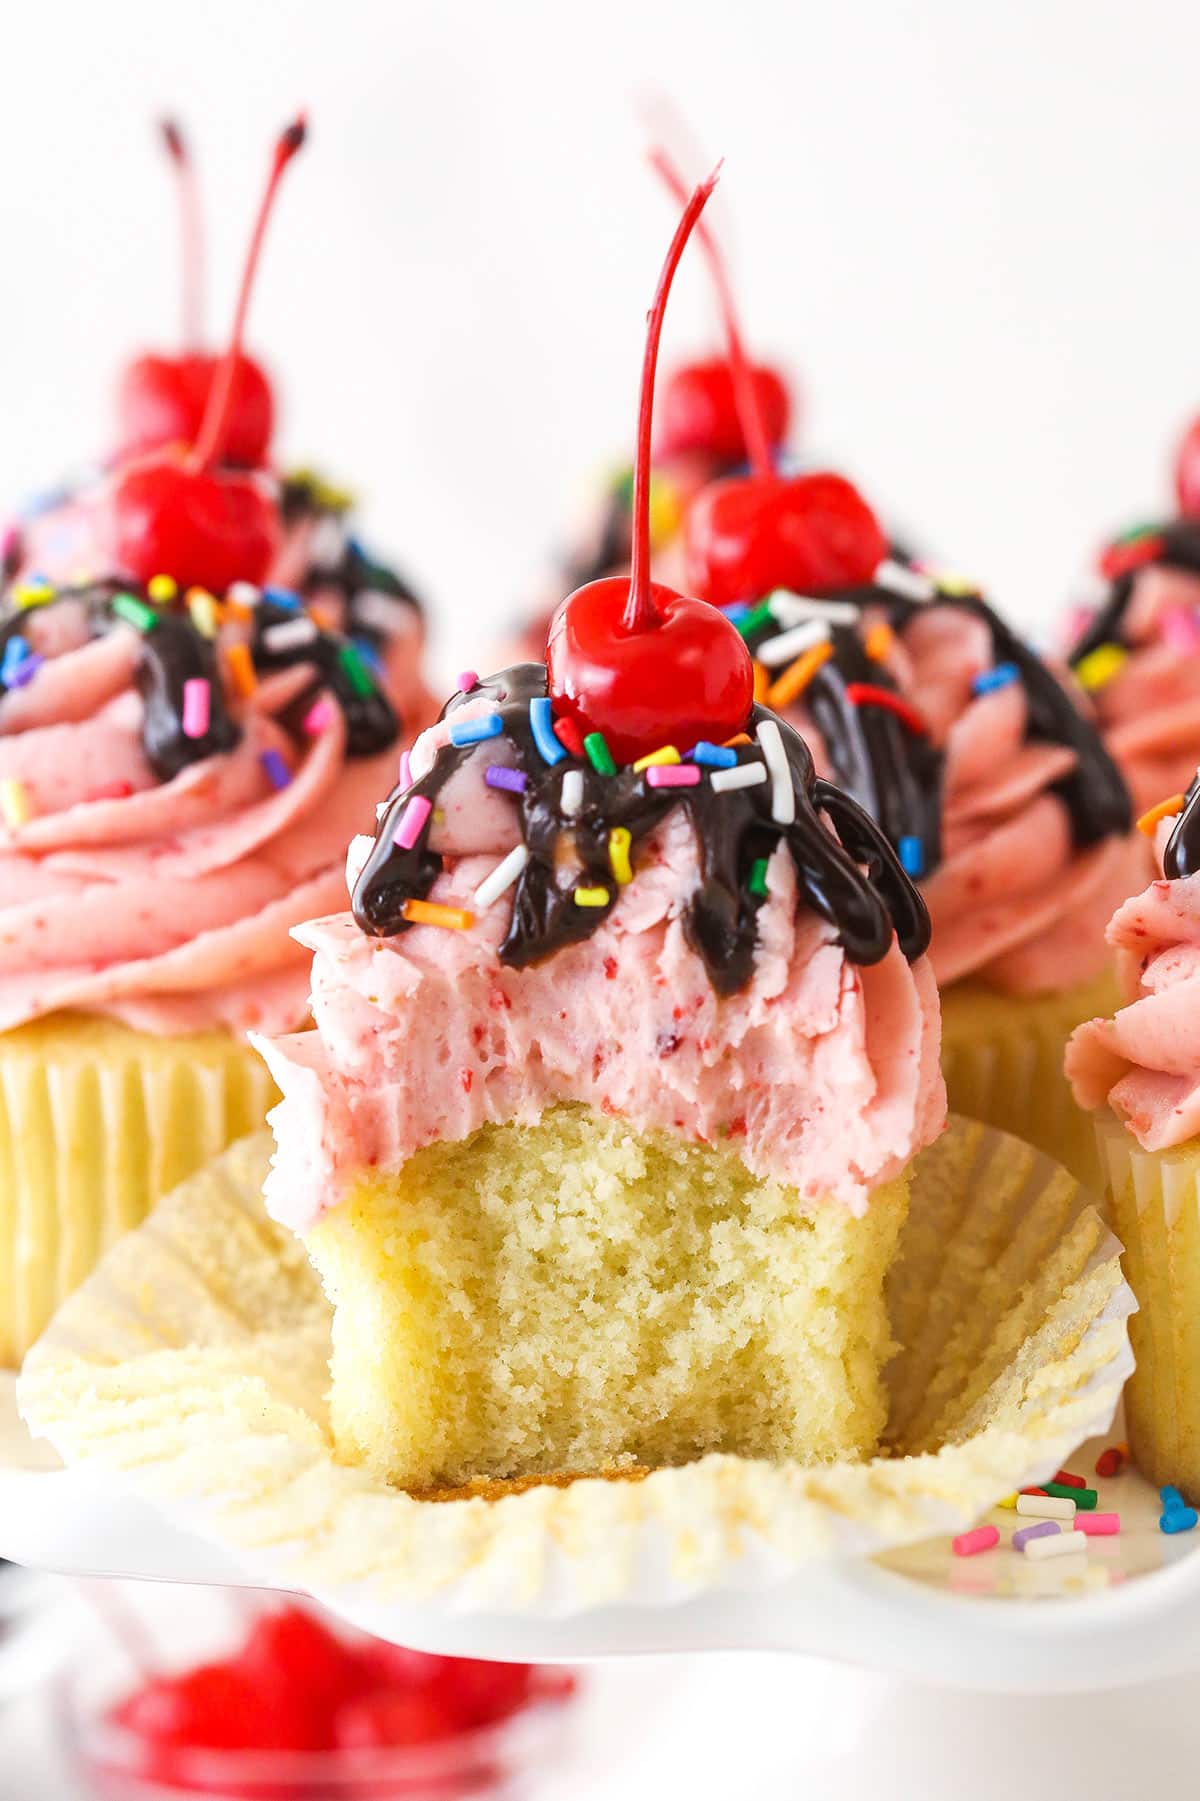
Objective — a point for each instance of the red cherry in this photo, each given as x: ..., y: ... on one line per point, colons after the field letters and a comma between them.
x: 393, y: 1717
x: 484, y: 1693
x: 689, y: 678
x: 633, y: 659
x: 747, y: 535
x: 1187, y: 472
x: 291, y: 1650
x: 161, y: 400
x: 698, y: 411
x: 207, y: 528
x: 214, y: 1706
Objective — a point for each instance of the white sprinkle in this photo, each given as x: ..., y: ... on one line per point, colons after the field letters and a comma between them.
x: 742, y: 775
x: 243, y: 594
x: 571, y: 795
x: 899, y: 579
x: 359, y: 850
x: 1046, y: 1507
x: 790, y: 644
x: 793, y: 609
x: 327, y: 543
x: 783, y: 795
x: 501, y: 878
x: 289, y: 633
x: 383, y: 612
x: 1058, y: 1544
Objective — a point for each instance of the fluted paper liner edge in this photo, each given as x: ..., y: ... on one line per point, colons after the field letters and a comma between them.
x: 191, y: 1370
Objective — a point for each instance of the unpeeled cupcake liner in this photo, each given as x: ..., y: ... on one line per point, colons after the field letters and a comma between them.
x: 191, y: 1371
x: 97, y: 1122
x: 1154, y: 1198
x: 1002, y: 1057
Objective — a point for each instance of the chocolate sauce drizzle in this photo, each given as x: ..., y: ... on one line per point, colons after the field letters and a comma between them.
x: 353, y: 572
x: 896, y: 774
x: 174, y: 651
x: 1182, y: 855
x: 1176, y: 545
x: 734, y: 830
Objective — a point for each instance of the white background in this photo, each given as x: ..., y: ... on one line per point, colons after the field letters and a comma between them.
x: 972, y: 230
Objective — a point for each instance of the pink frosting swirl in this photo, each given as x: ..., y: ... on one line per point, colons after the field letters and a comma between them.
x: 1144, y: 1063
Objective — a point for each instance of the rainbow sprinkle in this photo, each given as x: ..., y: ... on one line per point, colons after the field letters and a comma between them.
x: 202, y: 609
x: 15, y: 802
x: 197, y: 703
x: 620, y: 840
x: 278, y: 773
x: 134, y: 612
x: 713, y: 756
x: 592, y: 897
x: 795, y: 679
x: 467, y: 679
x: 320, y: 717
x: 429, y: 913
x: 475, y: 731
x: 240, y: 665
x: 412, y: 821
x: 499, y: 775
x: 361, y: 681
x: 541, y: 724
x: 32, y: 593
x: 666, y: 753
x: 757, y: 880
x: 677, y: 775
x: 1166, y: 809
x: 1100, y: 666
x: 989, y: 680
x: 598, y: 754
x: 501, y: 878
x: 911, y: 853
x: 162, y: 589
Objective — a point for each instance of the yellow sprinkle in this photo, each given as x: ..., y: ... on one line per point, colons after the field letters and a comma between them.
x: 666, y: 753
x: 591, y: 897
x: 240, y: 665
x: 1166, y: 809
x: 796, y: 677
x: 32, y: 594
x: 15, y: 803
x: 203, y: 610
x: 324, y: 493
x: 879, y: 641
x: 429, y: 913
x: 762, y: 681
x: 161, y: 589
x: 665, y: 511
x: 954, y: 584
x: 1009, y: 1501
x: 619, y: 841
x: 1099, y: 666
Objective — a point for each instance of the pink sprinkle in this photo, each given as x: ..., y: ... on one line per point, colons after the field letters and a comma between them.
x: 673, y: 775
x: 1179, y: 630
x: 415, y: 814
x: 405, y: 769
x: 467, y: 679
x: 197, y: 698
x: 1077, y: 621
x: 967, y: 1544
x: 1098, y: 1525
x: 319, y: 716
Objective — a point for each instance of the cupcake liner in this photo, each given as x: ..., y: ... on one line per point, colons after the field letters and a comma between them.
x: 191, y: 1371
x: 1154, y: 1197
x: 96, y: 1123
x: 1002, y: 1056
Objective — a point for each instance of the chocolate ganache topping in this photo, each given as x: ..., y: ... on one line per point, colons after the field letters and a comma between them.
x: 1181, y: 858
x: 743, y: 799
x: 1173, y: 545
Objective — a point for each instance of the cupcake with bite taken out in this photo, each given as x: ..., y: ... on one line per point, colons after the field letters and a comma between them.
x: 1139, y: 1073
x: 600, y: 1143
x: 184, y: 755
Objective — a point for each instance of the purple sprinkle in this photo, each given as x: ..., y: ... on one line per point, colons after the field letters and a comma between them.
x: 1043, y: 1529
x: 499, y: 775
x: 25, y: 670
x: 277, y: 770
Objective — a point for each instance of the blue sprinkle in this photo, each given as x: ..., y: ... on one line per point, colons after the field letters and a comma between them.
x: 285, y: 598
x: 1002, y: 676
x: 369, y: 654
x: 474, y: 731
x: 911, y: 853
x: 1178, y: 1519
x: 1171, y: 1497
x: 499, y: 775
x: 541, y: 724
x: 736, y: 611
x: 277, y: 770
x: 714, y: 756
x: 15, y: 653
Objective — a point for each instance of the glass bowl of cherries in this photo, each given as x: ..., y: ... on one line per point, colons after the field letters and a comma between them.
x: 301, y: 1712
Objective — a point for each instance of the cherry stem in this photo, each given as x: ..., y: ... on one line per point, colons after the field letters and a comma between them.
x: 210, y: 440
x: 640, y: 612
x: 745, y: 394
x: 191, y: 232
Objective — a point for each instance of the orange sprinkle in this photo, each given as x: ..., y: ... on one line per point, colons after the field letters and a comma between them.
x: 429, y: 913
x: 762, y: 681
x: 240, y: 665
x: 879, y: 641
x: 738, y: 738
x: 1166, y: 809
x: 798, y: 675
x: 322, y: 618
x: 237, y: 609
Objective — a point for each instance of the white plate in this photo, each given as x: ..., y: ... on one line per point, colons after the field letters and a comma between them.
x: 1128, y: 1611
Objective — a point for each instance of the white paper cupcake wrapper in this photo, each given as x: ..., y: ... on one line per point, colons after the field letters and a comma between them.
x: 190, y: 1370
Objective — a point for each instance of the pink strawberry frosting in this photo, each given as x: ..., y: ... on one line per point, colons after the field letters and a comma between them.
x: 1013, y: 902
x: 1144, y: 1063
x: 163, y: 904
x: 824, y: 1074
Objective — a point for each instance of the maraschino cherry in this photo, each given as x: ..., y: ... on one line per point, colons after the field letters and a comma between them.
x: 699, y: 411
x: 746, y: 535
x: 180, y: 512
x: 161, y: 398
x: 629, y: 657
x: 1187, y: 472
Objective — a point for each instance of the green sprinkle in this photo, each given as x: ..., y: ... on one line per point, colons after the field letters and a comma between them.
x: 1084, y: 1498
x: 1137, y: 531
x: 758, y: 877
x: 759, y: 615
x: 361, y: 681
x: 599, y: 755
x: 134, y: 611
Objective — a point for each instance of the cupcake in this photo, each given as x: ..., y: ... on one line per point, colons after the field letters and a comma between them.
x: 600, y: 1143
x: 184, y: 755
x: 1139, y: 1071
